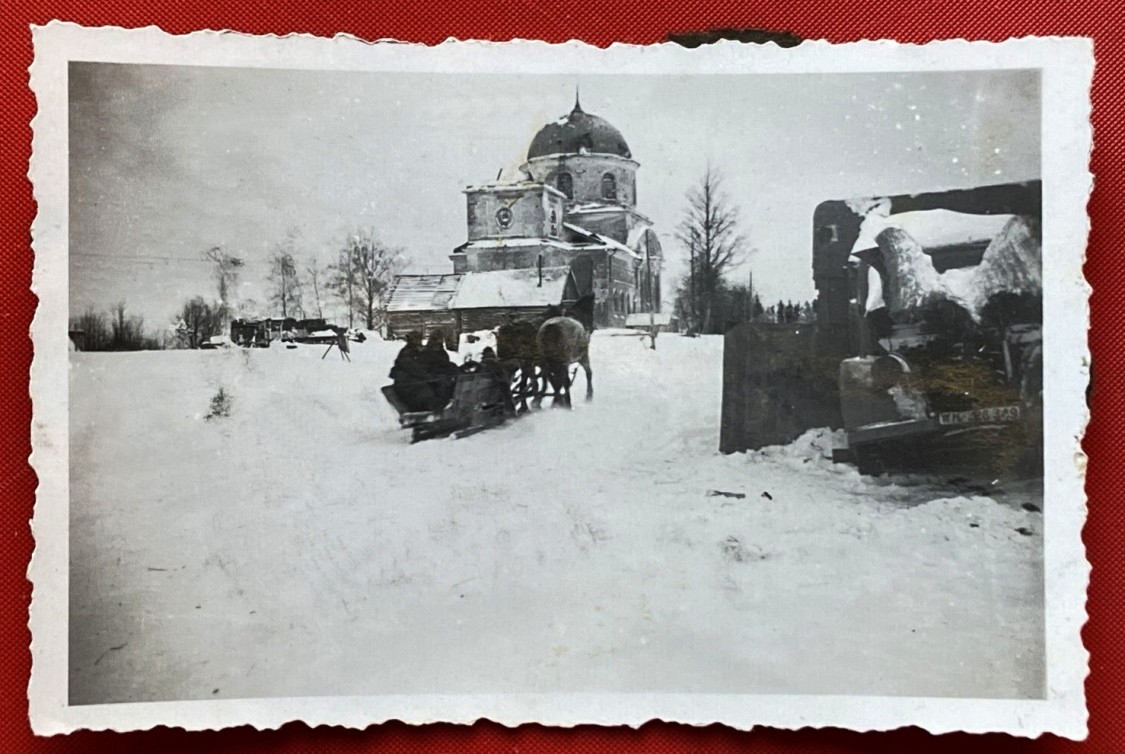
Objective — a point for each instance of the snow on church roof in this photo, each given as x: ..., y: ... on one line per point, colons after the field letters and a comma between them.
x: 510, y: 288
x: 517, y: 241
x: 600, y: 239
x: 413, y: 293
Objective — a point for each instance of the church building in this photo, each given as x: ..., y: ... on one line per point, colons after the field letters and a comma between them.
x: 568, y: 230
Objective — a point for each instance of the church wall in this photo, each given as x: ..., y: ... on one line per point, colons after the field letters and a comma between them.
x: 586, y: 171
x: 614, y: 225
x: 511, y: 258
x: 616, y: 280
x: 529, y: 219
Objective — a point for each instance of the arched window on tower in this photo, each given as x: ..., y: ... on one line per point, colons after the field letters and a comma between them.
x: 609, y: 187
x: 566, y: 184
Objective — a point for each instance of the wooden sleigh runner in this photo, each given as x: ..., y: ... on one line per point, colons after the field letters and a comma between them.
x: 480, y: 400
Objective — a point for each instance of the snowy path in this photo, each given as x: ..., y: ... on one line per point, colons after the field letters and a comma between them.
x: 301, y: 546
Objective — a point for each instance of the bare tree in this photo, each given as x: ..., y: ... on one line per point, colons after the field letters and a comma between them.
x: 97, y: 335
x: 199, y: 320
x: 128, y: 331
x: 710, y: 232
x: 313, y: 274
x: 227, y: 269
x: 363, y: 275
x: 343, y: 283
x: 285, y: 284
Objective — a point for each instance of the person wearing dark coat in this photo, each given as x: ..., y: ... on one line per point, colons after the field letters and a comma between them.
x: 411, y: 378
x: 501, y: 379
x: 441, y: 371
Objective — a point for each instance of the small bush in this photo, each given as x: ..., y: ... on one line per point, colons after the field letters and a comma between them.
x: 220, y: 405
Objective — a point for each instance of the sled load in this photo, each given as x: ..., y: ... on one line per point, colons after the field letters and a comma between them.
x: 927, y: 347
x: 479, y: 400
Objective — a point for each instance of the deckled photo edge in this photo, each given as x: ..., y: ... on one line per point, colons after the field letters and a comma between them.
x: 49, y: 710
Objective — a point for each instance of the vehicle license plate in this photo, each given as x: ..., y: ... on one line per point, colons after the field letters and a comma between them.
x: 977, y: 415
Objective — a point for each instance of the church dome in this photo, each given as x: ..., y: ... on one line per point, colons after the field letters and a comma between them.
x: 578, y: 133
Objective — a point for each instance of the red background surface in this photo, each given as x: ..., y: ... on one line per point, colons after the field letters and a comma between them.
x: 599, y: 23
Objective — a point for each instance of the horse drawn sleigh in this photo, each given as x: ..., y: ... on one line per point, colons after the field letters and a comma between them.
x: 534, y: 359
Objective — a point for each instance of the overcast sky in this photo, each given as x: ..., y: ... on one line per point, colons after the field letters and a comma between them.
x: 169, y: 161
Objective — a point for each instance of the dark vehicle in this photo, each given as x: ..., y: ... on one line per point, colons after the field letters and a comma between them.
x: 258, y: 333
x: 927, y: 342
x: 314, y: 331
x: 952, y: 369
x: 250, y: 333
x: 215, y: 341
x: 935, y: 401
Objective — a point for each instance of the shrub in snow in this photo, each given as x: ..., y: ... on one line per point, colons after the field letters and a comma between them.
x: 220, y: 405
x: 735, y: 550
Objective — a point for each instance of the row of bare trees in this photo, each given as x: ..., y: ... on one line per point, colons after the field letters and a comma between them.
x: 114, y: 330
x: 358, y: 279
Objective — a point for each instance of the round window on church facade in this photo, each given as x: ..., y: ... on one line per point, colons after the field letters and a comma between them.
x: 504, y: 217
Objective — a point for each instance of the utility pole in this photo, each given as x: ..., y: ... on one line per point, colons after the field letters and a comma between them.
x: 281, y: 264
x: 693, y: 297
x: 750, y: 297
x: 648, y: 264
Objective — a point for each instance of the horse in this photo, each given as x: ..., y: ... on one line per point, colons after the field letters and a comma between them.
x: 516, y: 344
x: 564, y: 341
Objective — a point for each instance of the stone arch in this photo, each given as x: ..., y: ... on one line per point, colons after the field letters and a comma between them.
x: 564, y: 182
x: 609, y: 187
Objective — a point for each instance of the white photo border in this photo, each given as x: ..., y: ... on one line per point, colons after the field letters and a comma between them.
x: 1067, y: 69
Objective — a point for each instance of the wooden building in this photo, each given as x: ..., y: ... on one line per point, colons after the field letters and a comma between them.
x: 475, y: 301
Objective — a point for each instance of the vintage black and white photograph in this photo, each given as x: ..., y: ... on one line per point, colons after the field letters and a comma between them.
x: 578, y: 381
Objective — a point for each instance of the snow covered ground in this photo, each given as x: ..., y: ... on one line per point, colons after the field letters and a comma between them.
x: 301, y: 546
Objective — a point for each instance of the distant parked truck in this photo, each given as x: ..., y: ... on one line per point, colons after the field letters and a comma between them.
x: 258, y: 333
x: 250, y: 333
x: 216, y: 341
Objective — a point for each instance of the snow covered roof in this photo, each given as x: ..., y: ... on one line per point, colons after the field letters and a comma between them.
x: 413, y: 293
x: 500, y: 186
x: 595, y: 207
x: 931, y: 229
x: 521, y: 241
x: 504, y: 288
x: 600, y: 239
